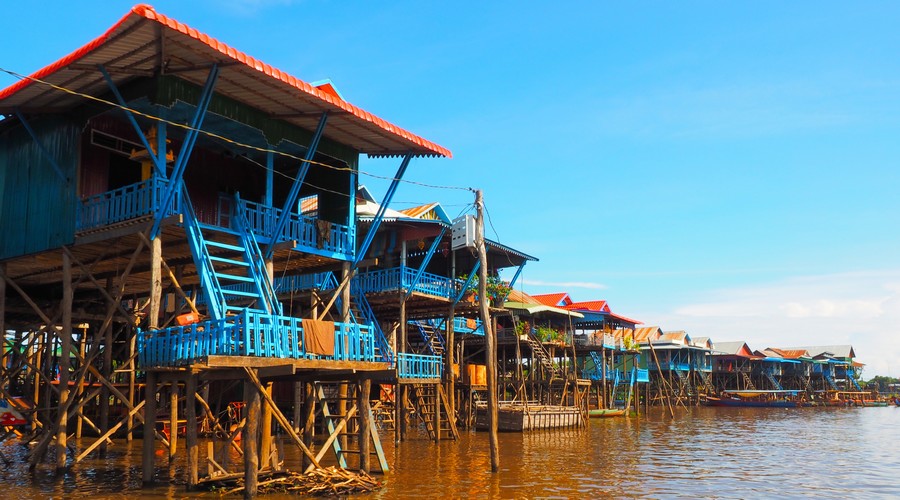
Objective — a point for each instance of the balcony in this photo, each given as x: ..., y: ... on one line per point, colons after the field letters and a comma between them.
x: 249, y: 334
x: 401, y: 278
x: 313, y: 236
x: 135, y: 201
x: 419, y: 366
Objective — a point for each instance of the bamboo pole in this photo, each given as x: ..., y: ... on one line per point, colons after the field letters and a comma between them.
x: 173, y: 420
x: 491, y: 342
x: 668, y: 397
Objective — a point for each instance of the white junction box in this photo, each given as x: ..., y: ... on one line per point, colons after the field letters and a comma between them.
x: 462, y: 233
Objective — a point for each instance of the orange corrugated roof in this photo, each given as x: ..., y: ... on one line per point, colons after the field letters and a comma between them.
x: 589, y: 305
x: 790, y: 353
x: 135, y: 44
x: 416, y: 212
x: 625, y: 319
x: 553, y: 299
x: 644, y: 334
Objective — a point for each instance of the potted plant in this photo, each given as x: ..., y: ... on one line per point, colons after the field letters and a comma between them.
x: 497, y: 289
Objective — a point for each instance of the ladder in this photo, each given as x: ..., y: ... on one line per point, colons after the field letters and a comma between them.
x: 773, y: 381
x: 598, y: 366
x: 706, y: 380
x: 830, y: 380
x: 431, y: 336
x: 542, y: 356
x: 424, y: 398
x: 748, y: 384
x: 684, y: 383
x: 232, y: 271
x: 346, y: 440
x: 851, y: 374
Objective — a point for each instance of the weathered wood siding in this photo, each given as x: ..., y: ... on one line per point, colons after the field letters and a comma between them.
x: 36, y: 205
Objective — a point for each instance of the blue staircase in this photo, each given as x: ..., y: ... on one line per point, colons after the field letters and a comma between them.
x: 361, y: 312
x: 431, y: 336
x: 226, y: 256
x: 830, y: 380
x: 851, y: 374
x: 597, y: 372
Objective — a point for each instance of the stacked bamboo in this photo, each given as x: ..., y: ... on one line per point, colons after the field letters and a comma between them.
x: 329, y: 481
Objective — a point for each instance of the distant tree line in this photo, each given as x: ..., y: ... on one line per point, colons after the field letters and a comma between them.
x: 884, y: 384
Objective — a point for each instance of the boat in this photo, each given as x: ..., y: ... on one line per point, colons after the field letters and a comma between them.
x: 757, y: 399
x: 518, y: 417
x: 606, y: 413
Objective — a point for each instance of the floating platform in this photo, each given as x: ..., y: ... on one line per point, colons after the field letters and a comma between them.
x: 518, y: 417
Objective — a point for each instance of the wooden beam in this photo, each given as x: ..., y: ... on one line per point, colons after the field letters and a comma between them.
x: 334, y: 435
x: 249, y: 437
x: 64, y: 364
x: 190, y: 416
x: 149, y: 448
x: 282, y: 420
x: 365, y: 423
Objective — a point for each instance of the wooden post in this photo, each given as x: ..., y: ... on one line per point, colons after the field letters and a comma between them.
x: 190, y: 415
x: 437, y: 413
x: 149, y: 446
x: 490, y: 341
x: 155, y: 282
x: 400, y: 391
x: 173, y: 420
x: 65, y: 356
x: 309, y: 419
x: 3, y: 308
x: 108, y: 373
x: 250, y: 440
x: 132, y: 378
x: 343, y: 387
x: 265, y: 444
x: 365, y: 424
x: 79, y: 422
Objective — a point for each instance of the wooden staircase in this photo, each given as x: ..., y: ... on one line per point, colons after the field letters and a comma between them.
x: 428, y: 398
x: 542, y: 356
x: 431, y: 337
x: 748, y: 384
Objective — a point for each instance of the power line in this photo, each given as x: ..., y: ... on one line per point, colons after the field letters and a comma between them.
x: 225, y: 139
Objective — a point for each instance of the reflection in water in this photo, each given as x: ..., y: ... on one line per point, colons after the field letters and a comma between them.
x: 703, y: 452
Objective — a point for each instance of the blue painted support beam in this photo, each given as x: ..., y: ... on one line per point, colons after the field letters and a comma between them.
x: 187, y: 147
x: 425, y: 262
x: 44, y: 150
x: 160, y: 167
x: 512, y: 282
x: 270, y: 178
x: 468, y: 282
x: 295, y: 188
x: 381, y: 209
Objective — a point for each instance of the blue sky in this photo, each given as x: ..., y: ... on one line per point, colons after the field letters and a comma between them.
x: 726, y: 169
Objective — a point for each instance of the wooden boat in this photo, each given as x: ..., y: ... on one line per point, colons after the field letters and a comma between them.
x: 757, y: 399
x: 606, y: 413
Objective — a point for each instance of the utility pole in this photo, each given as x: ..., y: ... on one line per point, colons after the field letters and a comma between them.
x: 490, y: 340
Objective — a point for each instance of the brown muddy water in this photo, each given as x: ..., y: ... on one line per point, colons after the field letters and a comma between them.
x: 702, y: 453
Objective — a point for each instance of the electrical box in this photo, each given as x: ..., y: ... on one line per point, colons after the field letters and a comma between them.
x: 462, y: 233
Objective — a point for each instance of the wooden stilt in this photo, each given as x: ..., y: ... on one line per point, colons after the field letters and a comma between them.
x: 173, y: 420
x: 66, y: 342
x: 190, y: 416
x: 149, y: 447
x: 365, y: 424
x: 490, y: 340
x: 249, y: 439
x: 155, y: 282
x: 265, y: 440
x: 309, y: 419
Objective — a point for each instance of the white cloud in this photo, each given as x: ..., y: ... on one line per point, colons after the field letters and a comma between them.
x: 862, y: 309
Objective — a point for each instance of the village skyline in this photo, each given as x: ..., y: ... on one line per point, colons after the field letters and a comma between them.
x: 730, y: 172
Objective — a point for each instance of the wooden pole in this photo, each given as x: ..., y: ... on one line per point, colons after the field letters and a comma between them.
x: 190, y: 415
x: 173, y: 420
x: 250, y: 440
x: 490, y: 341
x: 309, y: 419
x: 79, y: 423
x: 656, y: 360
x: 107, y: 372
x: 155, y: 282
x: 64, y: 363
x: 265, y: 445
x: 3, y: 308
x: 149, y: 448
x: 365, y: 424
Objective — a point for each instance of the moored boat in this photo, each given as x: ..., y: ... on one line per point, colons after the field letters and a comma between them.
x: 757, y: 399
x: 606, y: 413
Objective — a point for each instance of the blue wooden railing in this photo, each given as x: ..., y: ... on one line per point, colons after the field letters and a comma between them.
x: 249, y: 334
x: 338, y: 241
x: 401, y: 278
x: 461, y: 326
x: 419, y: 365
x: 385, y: 352
x: 136, y: 200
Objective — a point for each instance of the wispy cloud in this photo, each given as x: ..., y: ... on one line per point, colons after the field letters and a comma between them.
x: 862, y: 309
x: 565, y: 284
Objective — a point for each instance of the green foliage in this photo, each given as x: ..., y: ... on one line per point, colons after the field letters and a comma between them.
x: 882, y: 383
x: 547, y: 334
x: 497, y: 289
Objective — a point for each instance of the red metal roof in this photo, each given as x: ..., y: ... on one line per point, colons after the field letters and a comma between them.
x: 136, y: 46
x: 625, y: 319
x: 589, y: 305
x: 554, y: 299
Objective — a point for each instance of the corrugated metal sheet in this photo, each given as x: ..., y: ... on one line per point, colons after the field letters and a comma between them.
x: 36, y: 205
x: 590, y: 305
x: 134, y: 47
x: 554, y: 299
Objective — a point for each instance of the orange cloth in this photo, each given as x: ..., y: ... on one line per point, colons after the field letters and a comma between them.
x: 319, y: 336
x: 471, y: 324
